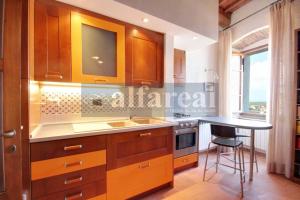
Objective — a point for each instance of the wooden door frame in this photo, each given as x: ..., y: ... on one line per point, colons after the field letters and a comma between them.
x: 12, y: 98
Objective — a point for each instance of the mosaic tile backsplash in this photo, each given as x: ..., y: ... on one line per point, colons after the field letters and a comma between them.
x: 63, y: 103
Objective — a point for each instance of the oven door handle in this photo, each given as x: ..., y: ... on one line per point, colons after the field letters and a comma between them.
x: 186, y: 130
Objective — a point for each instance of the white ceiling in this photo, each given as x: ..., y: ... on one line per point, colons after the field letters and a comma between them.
x: 183, y: 38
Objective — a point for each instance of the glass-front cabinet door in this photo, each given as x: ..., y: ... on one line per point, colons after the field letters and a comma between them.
x: 98, y: 50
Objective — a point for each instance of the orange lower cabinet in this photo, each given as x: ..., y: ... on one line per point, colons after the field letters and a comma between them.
x: 100, y: 197
x: 185, y: 160
x: 52, y: 167
x: 132, y: 180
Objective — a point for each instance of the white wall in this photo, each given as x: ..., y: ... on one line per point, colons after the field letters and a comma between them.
x: 199, y: 60
x: 198, y: 16
x: 257, y: 21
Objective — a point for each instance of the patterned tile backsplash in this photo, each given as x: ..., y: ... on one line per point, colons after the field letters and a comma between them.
x: 62, y: 103
x: 65, y: 103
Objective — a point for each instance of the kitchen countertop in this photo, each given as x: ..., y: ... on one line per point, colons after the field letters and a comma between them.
x: 49, y: 132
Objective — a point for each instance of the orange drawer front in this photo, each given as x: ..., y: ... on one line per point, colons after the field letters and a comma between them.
x: 131, y: 180
x: 185, y: 160
x: 62, y: 165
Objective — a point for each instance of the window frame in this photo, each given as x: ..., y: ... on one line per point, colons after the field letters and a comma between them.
x: 242, y: 114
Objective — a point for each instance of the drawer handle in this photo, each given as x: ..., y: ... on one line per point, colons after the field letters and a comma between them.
x: 72, y: 148
x: 146, y: 83
x: 73, y: 164
x: 145, y: 134
x: 144, y: 165
x: 185, y: 160
x: 54, y: 76
x: 74, y: 196
x: 74, y: 180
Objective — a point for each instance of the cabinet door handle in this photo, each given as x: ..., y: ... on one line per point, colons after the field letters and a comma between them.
x: 146, y: 83
x: 144, y: 165
x: 74, y: 180
x: 100, y: 80
x: 72, y: 148
x: 145, y: 134
x: 74, y: 196
x: 54, y: 76
x: 73, y: 164
x: 9, y: 134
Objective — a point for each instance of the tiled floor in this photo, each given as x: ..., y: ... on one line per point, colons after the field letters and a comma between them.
x: 188, y: 185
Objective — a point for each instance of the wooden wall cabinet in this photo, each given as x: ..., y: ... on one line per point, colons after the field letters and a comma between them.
x: 98, y: 50
x: 144, y: 57
x: 179, y: 66
x: 52, y: 42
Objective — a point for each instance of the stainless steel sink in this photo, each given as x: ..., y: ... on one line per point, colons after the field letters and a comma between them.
x: 121, y: 124
x: 145, y: 121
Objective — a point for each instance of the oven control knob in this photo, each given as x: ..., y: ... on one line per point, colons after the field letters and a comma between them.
x: 176, y: 132
x: 181, y: 125
x: 187, y: 124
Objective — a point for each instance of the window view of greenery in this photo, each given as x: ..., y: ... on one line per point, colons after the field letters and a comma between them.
x: 256, y: 72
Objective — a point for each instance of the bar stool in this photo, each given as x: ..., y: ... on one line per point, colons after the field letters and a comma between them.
x: 224, y: 136
x: 255, y: 158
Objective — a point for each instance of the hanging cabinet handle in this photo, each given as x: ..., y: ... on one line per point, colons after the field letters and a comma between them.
x: 54, y: 76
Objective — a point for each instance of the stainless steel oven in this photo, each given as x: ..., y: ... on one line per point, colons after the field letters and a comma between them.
x: 186, y: 138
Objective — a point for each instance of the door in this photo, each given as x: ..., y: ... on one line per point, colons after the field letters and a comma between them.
x: 52, y: 46
x: 98, y: 50
x: 144, y: 57
x: 10, y: 135
x: 179, y: 66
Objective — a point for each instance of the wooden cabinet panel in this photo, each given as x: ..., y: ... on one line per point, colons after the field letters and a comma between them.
x: 129, y: 181
x: 63, y: 182
x: 127, y: 148
x: 144, y: 57
x: 98, y: 50
x: 52, y: 42
x: 179, y: 66
x: 185, y: 160
x: 53, y: 167
x: 88, y: 191
x: 60, y: 148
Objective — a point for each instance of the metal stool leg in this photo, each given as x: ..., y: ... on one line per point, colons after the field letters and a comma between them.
x: 218, y: 158
x: 206, y: 161
x: 241, y: 173
x: 243, y: 160
x: 256, y: 161
x: 234, y: 149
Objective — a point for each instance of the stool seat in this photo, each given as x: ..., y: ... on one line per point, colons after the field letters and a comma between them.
x: 226, y: 142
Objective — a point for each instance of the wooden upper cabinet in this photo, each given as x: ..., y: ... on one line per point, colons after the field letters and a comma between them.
x: 144, y: 57
x: 98, y: 50
x: 179, y: 66
x: 52, y: 42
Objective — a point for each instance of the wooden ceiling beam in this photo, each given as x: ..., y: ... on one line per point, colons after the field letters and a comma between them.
x: 224, y: 18
x: 236, y: 5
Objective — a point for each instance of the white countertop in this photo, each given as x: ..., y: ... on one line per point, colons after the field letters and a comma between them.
x: 49, y: 132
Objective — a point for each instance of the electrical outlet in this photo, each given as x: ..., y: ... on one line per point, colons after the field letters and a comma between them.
x: 97, y: 102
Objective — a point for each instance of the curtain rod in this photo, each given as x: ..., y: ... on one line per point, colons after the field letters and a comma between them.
x: 228, y: 27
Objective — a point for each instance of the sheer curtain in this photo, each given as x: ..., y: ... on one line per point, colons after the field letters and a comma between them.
x: 283, y: 89
x: 225, y: 53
